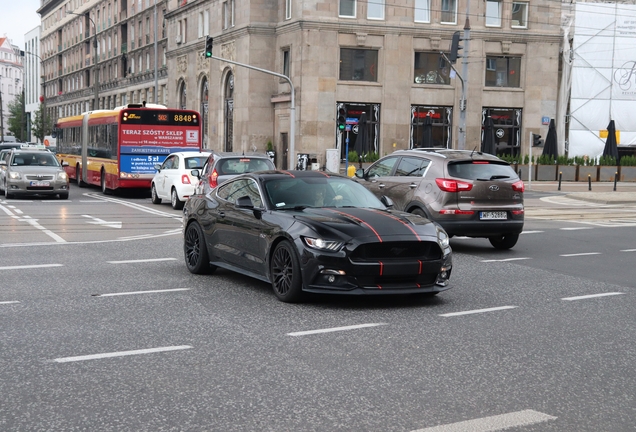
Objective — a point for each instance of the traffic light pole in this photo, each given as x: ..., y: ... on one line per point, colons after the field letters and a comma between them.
x: 461, y: 141
x: 292, y: 108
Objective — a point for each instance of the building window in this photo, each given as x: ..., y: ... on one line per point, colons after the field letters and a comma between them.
x: 519, y: 15
x: 507, y: 122
x: 200, y: 32
x: 206, y: 22
x: 375, y: 9
x: 347, y: 8
x: 449, y: 12
x: 228, y: 14
x: 431, y: 68
x: 288, y: 7
x: 493, y: 13
x: 503, y: 71
x: 358, y: 64
x: 286, y: 56
x: 423, y: 11
x: 431, y: 126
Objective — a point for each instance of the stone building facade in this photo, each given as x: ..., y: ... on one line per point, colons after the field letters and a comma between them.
x: 108, y: 42
x: 11, y: 81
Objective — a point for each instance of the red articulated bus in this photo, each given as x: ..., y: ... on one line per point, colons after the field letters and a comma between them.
x: 118, y: 148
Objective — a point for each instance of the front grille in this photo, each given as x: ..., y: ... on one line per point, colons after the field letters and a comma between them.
x: 397, y: 281
x: 387, y: 251
x: 39, y: 188
x: 40, y: 177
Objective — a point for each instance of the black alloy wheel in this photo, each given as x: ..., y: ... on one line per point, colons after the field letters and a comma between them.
x: 153, y: 195
x: 285, y: 273
x: 195, y: 252
x: 504, y: 241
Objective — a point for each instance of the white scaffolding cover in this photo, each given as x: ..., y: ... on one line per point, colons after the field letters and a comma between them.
x: 603, y: 76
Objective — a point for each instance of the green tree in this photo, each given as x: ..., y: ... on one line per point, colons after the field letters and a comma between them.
x: 41, y: 126
x: 17, y: 125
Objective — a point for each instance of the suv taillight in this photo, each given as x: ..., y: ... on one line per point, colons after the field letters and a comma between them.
x: 450, y: 185
x: 518, y: 186
x: 213, y: 179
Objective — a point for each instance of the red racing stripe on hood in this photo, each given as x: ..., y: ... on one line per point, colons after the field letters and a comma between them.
x: 399, y: 220
x: 360, y: 221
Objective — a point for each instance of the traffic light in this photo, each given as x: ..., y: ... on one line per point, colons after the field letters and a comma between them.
x: 342, y: 118
x: 455, y: 47
x: 208, y: 46
x: 536, y: 140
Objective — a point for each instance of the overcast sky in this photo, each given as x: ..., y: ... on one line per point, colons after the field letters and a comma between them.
x: 18, y: 17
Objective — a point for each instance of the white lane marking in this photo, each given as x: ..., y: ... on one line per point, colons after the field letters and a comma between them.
x: 142, y: 260
x: 120, y: 354
x: 18, y: 211
x: 476, y: 311
x: 531, y: 232
x: 135, y: 206
x: 7, y: 245
x: 141, y: 292
x: 628, y: 250
x: 335, y: 329
x: 9, y: 302
x: 6, y: 210
x: 493, y: 423
x: 97, y: 221
x: 34, y: 223
x: 507, y: 259
x: 30, y: 266
x: 575, y: 228
x: 584, y: 297
x: 580, y: 254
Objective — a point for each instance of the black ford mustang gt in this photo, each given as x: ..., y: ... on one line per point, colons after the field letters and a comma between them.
x: 310, y: 231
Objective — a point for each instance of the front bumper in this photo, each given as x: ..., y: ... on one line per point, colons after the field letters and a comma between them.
x: 24, y: 187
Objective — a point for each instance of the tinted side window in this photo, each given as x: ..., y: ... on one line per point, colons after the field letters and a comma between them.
x: 382, y: 168
x: 482, y: 171
x: 412, y: 167
x: 168, y: 163
x: 240, y: 188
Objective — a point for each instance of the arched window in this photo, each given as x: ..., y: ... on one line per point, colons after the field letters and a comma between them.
x: 182, y: 95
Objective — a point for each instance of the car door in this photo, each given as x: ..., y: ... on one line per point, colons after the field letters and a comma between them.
x: 245, y: 226
x: 164, y: 173
x: 407, y: 182
x: 376, y: 175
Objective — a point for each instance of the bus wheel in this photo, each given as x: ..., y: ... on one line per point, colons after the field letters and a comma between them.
x: 78, y: 177
x: 105, y: 190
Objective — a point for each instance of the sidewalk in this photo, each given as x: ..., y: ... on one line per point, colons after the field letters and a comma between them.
x: 601, y: 192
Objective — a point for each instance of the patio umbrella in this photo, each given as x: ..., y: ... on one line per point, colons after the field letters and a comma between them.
x: 611, y: 147
x: 427, y: 132
x: 550, y: 146
x: 488, y: 139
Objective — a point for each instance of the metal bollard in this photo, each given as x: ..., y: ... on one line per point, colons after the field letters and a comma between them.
x: 560, y: 178
x: 615, y: 180
x: 589, y: 182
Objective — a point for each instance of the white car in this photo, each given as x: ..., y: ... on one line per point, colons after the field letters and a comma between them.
x: 173, y: 179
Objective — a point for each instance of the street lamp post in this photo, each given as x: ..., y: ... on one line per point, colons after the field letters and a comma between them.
x: 95, y: 70
x: 43, y: 76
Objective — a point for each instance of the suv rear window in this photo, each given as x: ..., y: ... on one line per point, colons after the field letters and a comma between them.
x: 243, y: 164
x: 481, y: 170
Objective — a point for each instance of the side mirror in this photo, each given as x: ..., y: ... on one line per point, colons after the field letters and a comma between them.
x: 244, y: 202
x: 360, y: 173
x: 388, y: 202
x: 196, y: 173
x: 158, y: 167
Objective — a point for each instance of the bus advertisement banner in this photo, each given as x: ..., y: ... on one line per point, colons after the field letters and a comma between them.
x: 144, y: 146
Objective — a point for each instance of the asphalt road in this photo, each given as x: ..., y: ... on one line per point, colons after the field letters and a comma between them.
x: 102, y: 328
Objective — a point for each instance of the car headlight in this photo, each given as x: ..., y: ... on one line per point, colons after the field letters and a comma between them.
x: 15, y: 175
x: 443, y: 239
x: 322, y: 244
x: 62, y: 176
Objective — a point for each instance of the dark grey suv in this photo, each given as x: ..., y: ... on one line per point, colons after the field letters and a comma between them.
x: 468, y: 193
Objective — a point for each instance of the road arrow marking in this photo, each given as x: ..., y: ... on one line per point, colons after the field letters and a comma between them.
x: 102, y: 222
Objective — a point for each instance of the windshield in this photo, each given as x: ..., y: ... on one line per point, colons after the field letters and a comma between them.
x: 34, y: 159
x: 481, y: 170
x: 294, y: 193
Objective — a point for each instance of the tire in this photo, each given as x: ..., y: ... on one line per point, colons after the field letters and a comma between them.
x: 64, y: 196
x: 285, y: 273
x: 418, y: 211
x: 7, y: 195
x: 102, y: 182
x: 505, y: 241
x: 153, y: 195
x: 177, y: 204
x: 78, y: 177
x: 195, y: 251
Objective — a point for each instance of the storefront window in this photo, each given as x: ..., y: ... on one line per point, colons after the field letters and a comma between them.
x: 431, y: 126
x: 507, y: 122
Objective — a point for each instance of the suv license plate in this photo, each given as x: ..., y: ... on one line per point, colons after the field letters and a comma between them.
x: 40, y: 183
x: 492, y: 215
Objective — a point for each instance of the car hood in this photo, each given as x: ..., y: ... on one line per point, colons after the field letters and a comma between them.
x: 37, y: 169
x: 368, y: 224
